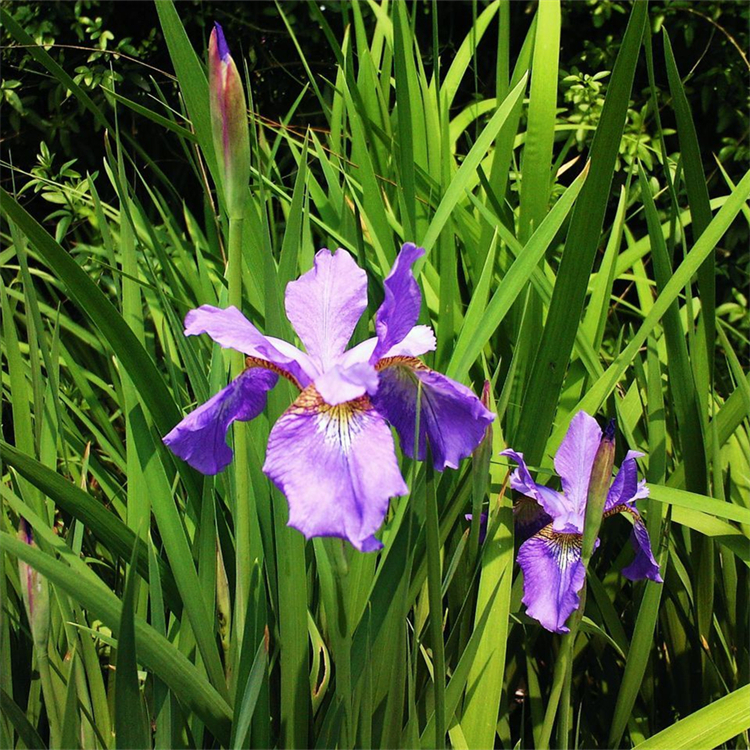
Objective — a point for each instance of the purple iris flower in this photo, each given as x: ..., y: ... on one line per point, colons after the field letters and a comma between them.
x: 332, y: 452
x: 551, y: 557
x: 482, y: 525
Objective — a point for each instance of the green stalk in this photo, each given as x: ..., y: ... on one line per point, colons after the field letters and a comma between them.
x: 241, y: 508
x: 50, y: 703
x: 434, y: 583
x: 343, y: 659
x: 563, y: 728
x: 560, y: 680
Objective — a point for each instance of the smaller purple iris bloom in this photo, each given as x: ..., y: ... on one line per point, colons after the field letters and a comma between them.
x: 482, y: 525
x: 332, y: 452
x: 551, y: 557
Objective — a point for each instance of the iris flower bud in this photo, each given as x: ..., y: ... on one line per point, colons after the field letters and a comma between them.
x: 599, y: 482
x: 229, y: 123
x: 35, y: 592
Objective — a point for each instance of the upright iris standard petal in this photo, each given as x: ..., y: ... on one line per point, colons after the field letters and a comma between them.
x: 337, y: 467
x: 325, y: 304
x: 420, y: 340
x: 451, y: 416
x: 553, y: 575
x: 399, y: 312
x: 229, y: 126
x: 573, y: 462
x: 200, y: 438
x: 229, y: 328
x: 625, y: 488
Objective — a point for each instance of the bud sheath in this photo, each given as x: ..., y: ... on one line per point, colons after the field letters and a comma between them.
x: 35, y: 592
x: 601, y: 476
x: 229, y: 123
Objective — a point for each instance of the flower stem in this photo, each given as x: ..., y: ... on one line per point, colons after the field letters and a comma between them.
x: 434, y: 585
x: 344, y: 644
x: 241, y: 508
x: 560, y: 681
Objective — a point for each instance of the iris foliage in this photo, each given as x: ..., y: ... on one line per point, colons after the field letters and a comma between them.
x: 175, y: 609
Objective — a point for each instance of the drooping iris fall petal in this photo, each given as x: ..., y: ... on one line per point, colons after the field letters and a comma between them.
x: 337, y: 467
x: 553, y: 576
x: 644, y: 564
x: 552, y: 502
x: 229, y: 328
x: 451, y: 416
x: 200, y: 438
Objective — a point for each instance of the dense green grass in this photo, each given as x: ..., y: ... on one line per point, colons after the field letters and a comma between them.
x: 183, y: 611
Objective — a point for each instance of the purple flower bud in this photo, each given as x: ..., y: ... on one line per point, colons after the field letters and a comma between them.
x: 221, y: 43
x: 35, y: 592
x: 482, y: 525
x: 228, y: 122
x: 609, y: 430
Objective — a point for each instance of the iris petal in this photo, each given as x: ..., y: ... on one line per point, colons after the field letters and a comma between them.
x: 553, y: 574
x: 231, y: 329
x: 529, y: 517
x: 554, y: 503
x: 200, y: 438
x: 325, y: 304
x: 644, y: 565
x: 420, y: 340
x: 400, y: 309
x: 337, y: 467
x: 573, y: 463
x: 625, y: 488
x: 451, y: 416
x: 341, y: 384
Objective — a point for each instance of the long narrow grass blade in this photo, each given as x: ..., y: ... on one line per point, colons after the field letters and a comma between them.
x: 91, y: 300
x: 702, y: 248
x: 130, y: 729
x: 581, y: 243
x: 707, y: 728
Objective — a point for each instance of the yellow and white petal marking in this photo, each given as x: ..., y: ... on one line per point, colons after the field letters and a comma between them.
x: 337, y: 425
x: 565, y: 548
x: 412, y: 363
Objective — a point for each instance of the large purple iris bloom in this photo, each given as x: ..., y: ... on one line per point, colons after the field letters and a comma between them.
x: 332, y: 452
x: 551, y: 557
